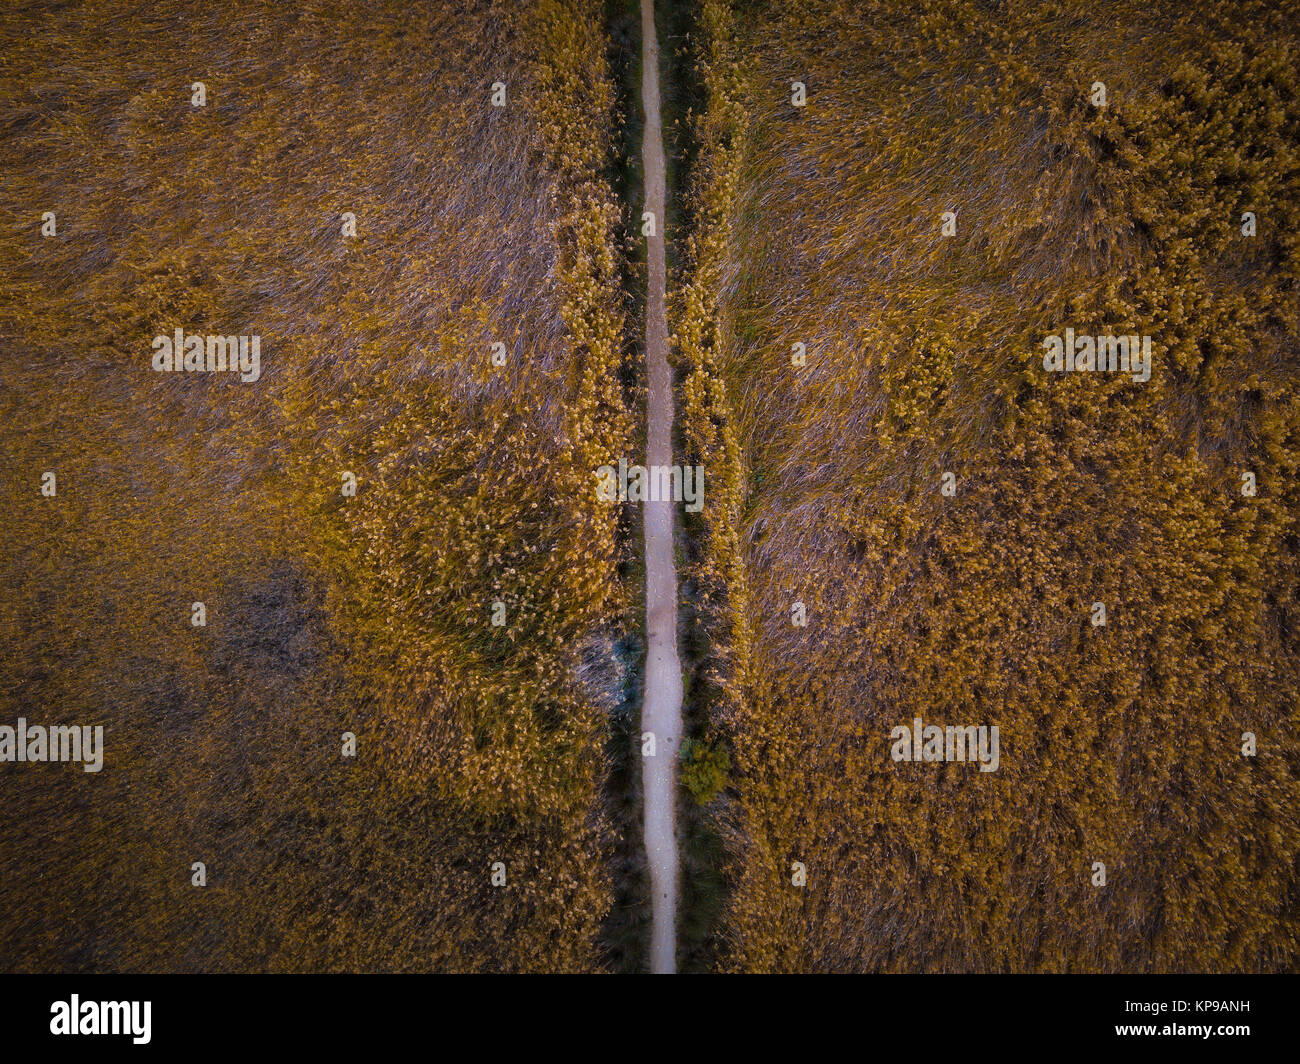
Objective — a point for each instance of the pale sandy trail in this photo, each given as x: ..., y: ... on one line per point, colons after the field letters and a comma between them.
x: 661, y: 707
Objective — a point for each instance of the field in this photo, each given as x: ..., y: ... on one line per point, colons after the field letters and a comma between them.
x: 318, y: 321
x: 345, y: 189
x: 1121, y: 742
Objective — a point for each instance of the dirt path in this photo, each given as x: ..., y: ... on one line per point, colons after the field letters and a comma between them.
x: 661, y: 711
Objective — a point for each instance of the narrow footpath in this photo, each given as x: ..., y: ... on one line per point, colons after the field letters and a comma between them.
x: 661, y: 712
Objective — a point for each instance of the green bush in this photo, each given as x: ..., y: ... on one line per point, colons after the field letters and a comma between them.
x: 705, y: 769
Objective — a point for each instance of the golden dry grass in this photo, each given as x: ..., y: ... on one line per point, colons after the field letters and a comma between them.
x: 368, y: 614
x: 1119, y: 744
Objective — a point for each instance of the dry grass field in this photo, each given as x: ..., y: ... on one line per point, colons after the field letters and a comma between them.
x: 326, y: 613
x: 364, y: 641
x: 1121, y: 743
